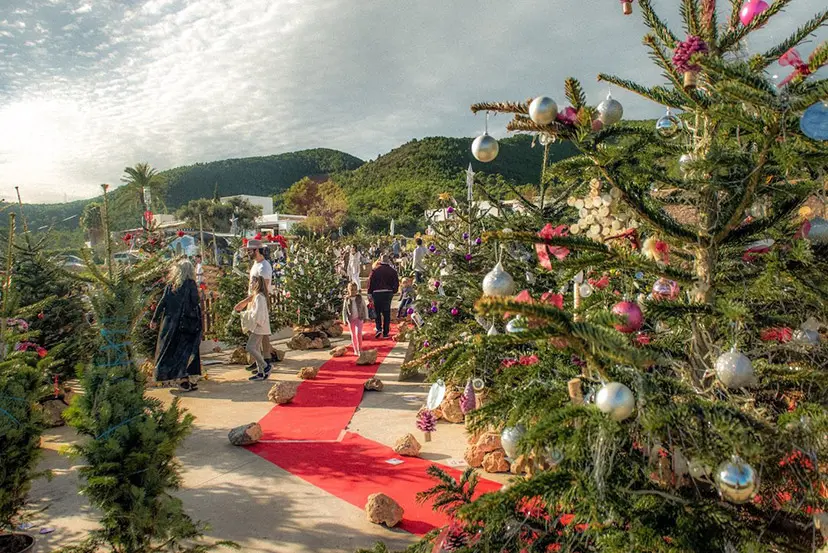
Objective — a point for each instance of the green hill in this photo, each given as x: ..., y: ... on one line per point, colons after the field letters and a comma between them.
x: 406, y: 181
x: 400, y: 184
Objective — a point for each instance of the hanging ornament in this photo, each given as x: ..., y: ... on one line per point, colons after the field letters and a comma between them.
x: 478, y: 384
x: 818, y: 234
x: 750, y: 9
x: 426, y: 423
x: 454, y: 311
x: 665, y: 289
x: 601, y: 215
x: 516, y: 325
x: 616, y: 400
x: 492, y: 331
x: 509, y: 439
x: 610, y: 111
x: 631, y: 313
x: 545, y: 139
x: 684, y: 163
x: 543, y: 110
x: 585, y: 289
x: 626, y: 7
x: 436, y: 395
x: 682, y: 56
x: 498, y: 282
x: 736, y: 480
x: 814, y: 121
x: 735, y: 370
x: 468, y: 402
x: 668, y: 125
x: 485, y: 148
x: 805, y: 337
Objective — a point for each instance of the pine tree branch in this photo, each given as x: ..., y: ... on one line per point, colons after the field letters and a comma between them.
x: 690, y: 16
x: 658, y: 94
x: 740, y: 72
x: 817, y: 91
x: 575, y: 93
x: 737, y: 32
x: 659, y: 27
x: 501, y: 107
x: 803, y: 32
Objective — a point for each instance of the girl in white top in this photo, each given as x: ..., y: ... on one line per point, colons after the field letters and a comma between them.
x: 256, y: 303
x: 354, y: 312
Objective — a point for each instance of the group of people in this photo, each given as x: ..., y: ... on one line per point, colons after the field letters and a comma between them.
x: 179, y: 320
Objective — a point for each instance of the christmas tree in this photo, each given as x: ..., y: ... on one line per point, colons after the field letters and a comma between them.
x: 53, y: 302
x: 314, y: 292
x: 676, y: 396
x: 130, y: 468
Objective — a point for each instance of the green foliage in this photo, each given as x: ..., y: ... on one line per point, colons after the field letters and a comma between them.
x: 324, y: 203
x: 22, y: 377
x: 130, y: 469
x: 216, y: 216
x: 232, y: 288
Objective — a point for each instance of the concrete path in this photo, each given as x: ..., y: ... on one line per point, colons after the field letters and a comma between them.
x: 243, y: 497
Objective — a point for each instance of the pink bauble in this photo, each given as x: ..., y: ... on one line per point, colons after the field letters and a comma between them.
x: 632, y: 313
x: 750, y: 9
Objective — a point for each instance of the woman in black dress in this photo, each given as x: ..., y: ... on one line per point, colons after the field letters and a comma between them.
x: 179, y: 311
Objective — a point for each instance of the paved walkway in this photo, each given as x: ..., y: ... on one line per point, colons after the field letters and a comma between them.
x: 244, y: 497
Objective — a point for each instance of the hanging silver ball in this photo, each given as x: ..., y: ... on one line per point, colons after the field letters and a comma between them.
x: 736, y: 480
x: 735, y: 370
x: 684, y: 161
x: 485, y: 148
x: 543, y: 110
x: 498, y: 282
x: 610, y: 111
x: 509, y: 439
x: 668, y: 126
x: 516, y: 325
x: 819, y: 231
x: 616, y: 400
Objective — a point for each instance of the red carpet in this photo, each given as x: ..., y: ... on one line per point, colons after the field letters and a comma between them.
x: 352, y: 469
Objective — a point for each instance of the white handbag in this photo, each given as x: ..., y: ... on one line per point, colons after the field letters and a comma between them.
x: 248, y: 321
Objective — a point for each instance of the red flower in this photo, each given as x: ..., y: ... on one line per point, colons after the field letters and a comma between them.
x: 40, y: 315
x: 601, y: 283
x: 528, y: 360
x: 41, y: 352
x: 203, y: 286
x: 506, y: 363
x: 180, y: 233
x: 533, y: 507
x: 779, y: 334
x: 553, y: 299
x: 544, y: 250
x: 642, y: 339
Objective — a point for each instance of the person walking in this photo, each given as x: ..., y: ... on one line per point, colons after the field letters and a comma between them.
x: 396, y: 249
x: 354, y: 313
x: 179, y: 314
x: 382, y: 286
x: 260, y: 267
x: 354, y: 265
x: 199, y: 271
x: 418, y: 261
x: 256, y: 320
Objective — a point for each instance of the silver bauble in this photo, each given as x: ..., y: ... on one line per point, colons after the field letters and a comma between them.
x: 610, y: 111
x: 668, y: 126
x: 485, y: 148
x: 616, y: 400
x: 498, y: 282
x: 819, y: 231
x: 585, y: 290
x: 509, y: 439
x: 545, y: 139
x: 736, y: 480
x: 543, y: 110
x: 806, y: 337
x: 516, y: 325
x: 684, y: 162
x: 735, y: 370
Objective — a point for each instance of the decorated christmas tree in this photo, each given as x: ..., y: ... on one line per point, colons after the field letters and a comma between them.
x: 676, y: 396
x: 313, y: 290
x: 130, y: 469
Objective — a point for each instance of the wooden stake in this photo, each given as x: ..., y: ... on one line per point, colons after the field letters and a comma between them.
x: 427, y: 436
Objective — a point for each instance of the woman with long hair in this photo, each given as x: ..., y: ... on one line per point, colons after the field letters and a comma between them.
x: 179, y: 312
x: 258, y: 325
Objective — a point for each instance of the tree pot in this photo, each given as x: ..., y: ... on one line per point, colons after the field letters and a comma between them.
x: 16, y: 543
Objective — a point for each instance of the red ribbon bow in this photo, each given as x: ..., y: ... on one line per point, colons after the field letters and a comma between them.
x: 791, y: 59
x: 664, y: 249
x: 544, y: 250
x: 778, y: 334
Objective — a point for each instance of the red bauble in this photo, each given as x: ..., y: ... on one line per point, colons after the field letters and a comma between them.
x: 629, y: 311
x: 180, y: 233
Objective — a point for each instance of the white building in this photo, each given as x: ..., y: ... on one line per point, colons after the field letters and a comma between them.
x: 278, y: 223
x: 485, y: 208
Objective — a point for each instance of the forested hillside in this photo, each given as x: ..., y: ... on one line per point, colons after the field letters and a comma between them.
x: 406, y: 181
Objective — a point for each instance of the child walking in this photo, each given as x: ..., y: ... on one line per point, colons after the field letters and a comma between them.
x: 406, y: 297
x: 354, y: 312
x: 258, y: 321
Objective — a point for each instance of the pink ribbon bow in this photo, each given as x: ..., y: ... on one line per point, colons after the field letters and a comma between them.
x: 544, y: 251
x: 791, y: 59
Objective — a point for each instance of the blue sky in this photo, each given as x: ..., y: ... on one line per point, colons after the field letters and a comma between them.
x: 88, y: 87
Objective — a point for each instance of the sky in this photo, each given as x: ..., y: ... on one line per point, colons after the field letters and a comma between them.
x: 88, y: 87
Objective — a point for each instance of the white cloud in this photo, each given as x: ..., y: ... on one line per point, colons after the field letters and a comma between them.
x: 175, y: 82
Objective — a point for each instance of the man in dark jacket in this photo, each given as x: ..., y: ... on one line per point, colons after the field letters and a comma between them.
x: 382, y: 286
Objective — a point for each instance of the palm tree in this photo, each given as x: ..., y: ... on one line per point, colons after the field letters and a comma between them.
x: 91, y: 221
x: 137, y: 181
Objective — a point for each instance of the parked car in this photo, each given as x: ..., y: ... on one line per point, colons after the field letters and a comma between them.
x: 72, y: 263
x: 128, y: 258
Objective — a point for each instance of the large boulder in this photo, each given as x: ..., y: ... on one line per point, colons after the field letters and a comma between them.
x: 53, y: 411
x: 283, y: 392
x: 341, y: 351
x: 408, y: 446
x: 299, y: 341
x: 488, y: 442
x: 496, y: 462
x: 332, y: 328
x: 367, y: 357
x: 451, y: 408
x: 474, y: 456
x: 319, y: 343
x: 308, y: 373
x: 239, y: 357
x: 247, y: 434
x: 373, y: 384
x: 381, y: 509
